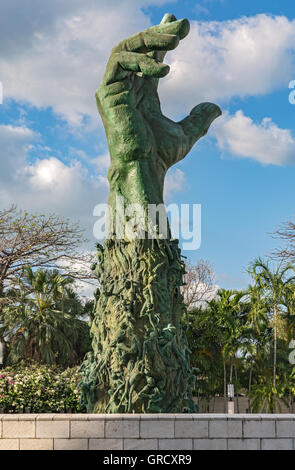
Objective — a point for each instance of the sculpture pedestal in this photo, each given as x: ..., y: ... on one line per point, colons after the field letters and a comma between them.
x: 140, y: 359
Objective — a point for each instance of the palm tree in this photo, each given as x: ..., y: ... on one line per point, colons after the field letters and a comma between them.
x: 256, y: 321
x: 257, y: 311
x: 230, y: 311
x: 44, y: 319
x: 273, y: 283
x: 289, y: 314
x: 206, y: 341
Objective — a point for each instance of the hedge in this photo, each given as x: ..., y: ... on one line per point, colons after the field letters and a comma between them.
x: 35, y: 388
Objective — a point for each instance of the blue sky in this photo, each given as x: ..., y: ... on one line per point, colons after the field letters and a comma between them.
x: 241, y: 55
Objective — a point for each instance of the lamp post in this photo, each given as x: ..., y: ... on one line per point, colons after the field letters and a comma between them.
x: 231, y: 395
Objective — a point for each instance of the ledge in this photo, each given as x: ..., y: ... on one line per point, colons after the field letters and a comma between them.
x: 147, y: 431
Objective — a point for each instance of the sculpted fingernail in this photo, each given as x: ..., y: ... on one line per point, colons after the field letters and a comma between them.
x: 165, y: 69
x: 168, y: 18
x: 184, y: 28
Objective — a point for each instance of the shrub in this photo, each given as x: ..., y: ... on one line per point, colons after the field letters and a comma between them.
x: 30, y: 387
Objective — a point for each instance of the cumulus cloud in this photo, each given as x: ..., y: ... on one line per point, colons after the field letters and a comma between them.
x: 67, y: 186
x: 54, y: 55
x: 101, y: 162
x: 174, y: 182
x: 264, y: 142
x: 15, y: 144
x: 84, y: 288
x: 220, y: 60
x: 47, y: 184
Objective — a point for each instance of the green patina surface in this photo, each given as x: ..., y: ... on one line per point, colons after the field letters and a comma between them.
x: 140, y: 357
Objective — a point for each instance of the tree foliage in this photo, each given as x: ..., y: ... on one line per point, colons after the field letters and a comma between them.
x: 232, y: 340
x: 44, y: 319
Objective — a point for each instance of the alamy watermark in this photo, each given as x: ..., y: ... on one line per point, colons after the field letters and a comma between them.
x: 1, y: 93
x: 133, y: 221
x: 292, y: 94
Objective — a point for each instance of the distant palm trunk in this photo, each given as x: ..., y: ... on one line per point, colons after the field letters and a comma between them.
x: 224, y: 386
x: 249, y: 387
x: 290, y: 401
x: 238, y: 403
x: 231, y: 371
x: 275, y: 346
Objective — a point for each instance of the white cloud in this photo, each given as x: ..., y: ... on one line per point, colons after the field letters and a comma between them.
x: 84, y: 288
x: 174, y: 181
x: 55, y: 55
x: 48, y: 184
x: 101, y: 162
x: 15, y: 143
x: 219, y: 60
x: 265, y: 142
x: 52, y: 174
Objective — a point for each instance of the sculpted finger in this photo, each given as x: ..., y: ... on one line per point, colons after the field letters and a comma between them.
x: 198, y: 122
x: 171, y: 25
x: 160, y: 55
x: 124, y: 62
x: 168, y: 18
x: 179, y: 27
x: 148, y: 41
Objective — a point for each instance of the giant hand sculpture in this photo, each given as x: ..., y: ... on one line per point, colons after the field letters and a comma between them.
x: 143, y: 143
x: 140, y: 358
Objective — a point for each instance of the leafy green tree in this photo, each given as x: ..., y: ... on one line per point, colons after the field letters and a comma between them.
x: 232, y: 312
x: 216, y: 335
x: 257, y: 322
x: 263, y: 396
x: 206, y: 341
x: 240, y: 336
x: 258, y: 307
x: 44, y: 320
x: 289, y: 313
x: 273, y: 283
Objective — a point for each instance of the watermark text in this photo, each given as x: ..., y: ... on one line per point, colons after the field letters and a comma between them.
x: 133, y: 221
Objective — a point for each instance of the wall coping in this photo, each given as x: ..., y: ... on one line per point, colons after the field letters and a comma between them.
x: 150, y: 416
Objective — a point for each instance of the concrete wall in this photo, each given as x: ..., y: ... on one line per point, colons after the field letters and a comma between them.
x: 151, y: 432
